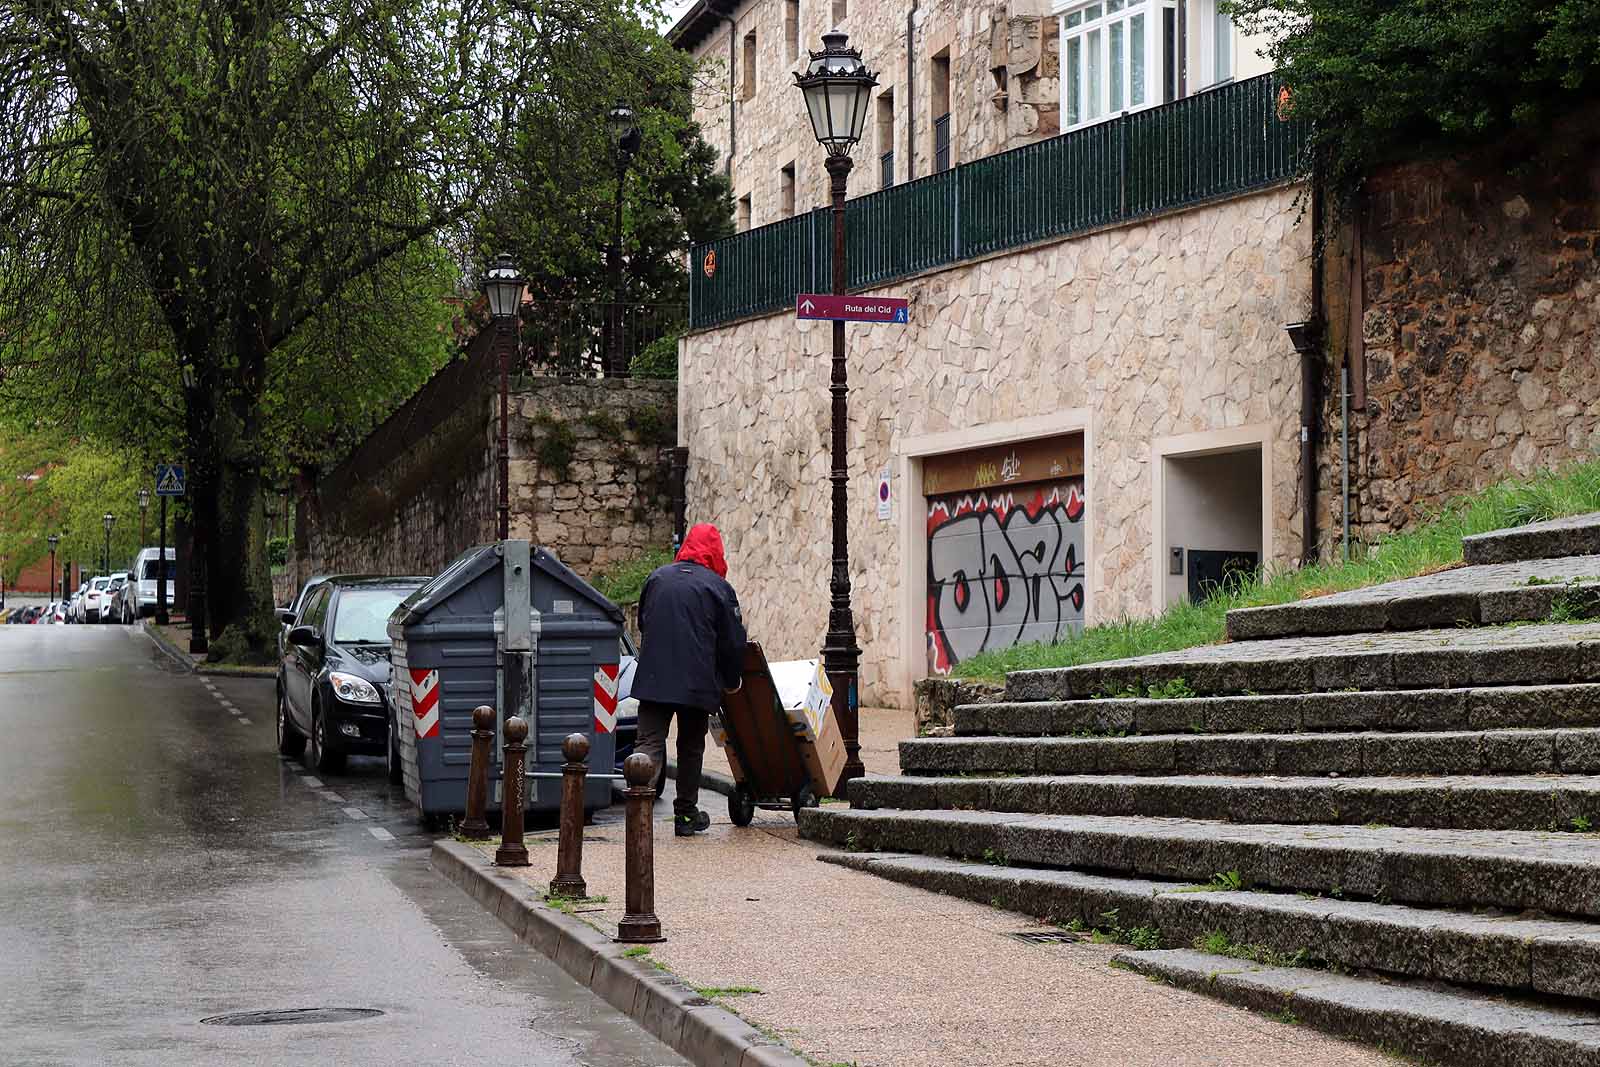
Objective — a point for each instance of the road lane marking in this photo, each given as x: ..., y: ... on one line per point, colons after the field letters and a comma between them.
x: 380, y: 833
x: 243, y: 721
x: 314, y: 783
x: 355, y: 813
x: 328, y: 794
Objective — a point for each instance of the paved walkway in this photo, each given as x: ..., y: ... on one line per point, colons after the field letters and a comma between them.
x: 853, y: 969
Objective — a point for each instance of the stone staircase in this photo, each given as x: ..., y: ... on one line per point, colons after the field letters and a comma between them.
x: 1369, y: 813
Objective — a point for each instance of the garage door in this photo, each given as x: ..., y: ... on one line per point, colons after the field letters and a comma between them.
x: 1005, y: 547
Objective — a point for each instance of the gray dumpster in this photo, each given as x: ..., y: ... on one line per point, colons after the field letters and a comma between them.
x: 456, y: 646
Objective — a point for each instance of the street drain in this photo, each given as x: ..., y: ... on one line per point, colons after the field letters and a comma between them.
x: 1044, y: 937
x: 292, y: 1016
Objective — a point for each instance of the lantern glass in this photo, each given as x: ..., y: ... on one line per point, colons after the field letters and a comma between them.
x: 619, y: 123
x: 504, y: 287
x: 837, y: 87
x: 108, y: 519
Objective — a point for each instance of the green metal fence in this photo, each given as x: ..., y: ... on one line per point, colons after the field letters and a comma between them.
x: 1221, y: 142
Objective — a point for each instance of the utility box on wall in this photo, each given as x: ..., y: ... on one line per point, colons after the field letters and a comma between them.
x: 507, y: 625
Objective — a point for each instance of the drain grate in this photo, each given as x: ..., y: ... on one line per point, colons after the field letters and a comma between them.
x: 292, y: 1016
x: 1044, y: 937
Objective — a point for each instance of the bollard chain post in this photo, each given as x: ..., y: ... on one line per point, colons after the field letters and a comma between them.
x: 475, y: 827
x: 639, y: 923
x: 568, y: 881
x: 512, y: 852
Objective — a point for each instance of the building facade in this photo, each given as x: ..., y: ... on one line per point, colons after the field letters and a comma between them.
x: 1093, y: 410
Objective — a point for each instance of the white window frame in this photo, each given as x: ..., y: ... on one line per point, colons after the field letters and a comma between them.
x: 1207, y: 16
x: 1098, y: 31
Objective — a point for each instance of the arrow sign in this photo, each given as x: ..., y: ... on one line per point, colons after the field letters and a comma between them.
x: 169, y: 479
x: 852, y: 308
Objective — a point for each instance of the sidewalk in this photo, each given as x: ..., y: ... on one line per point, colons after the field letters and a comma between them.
x: 174, y: 641
x: 852, y: 969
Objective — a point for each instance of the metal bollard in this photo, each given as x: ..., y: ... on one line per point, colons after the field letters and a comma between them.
x: 568, y: 881
x: 475, y: 827
x: 639, y: 923
x: 512, y: 852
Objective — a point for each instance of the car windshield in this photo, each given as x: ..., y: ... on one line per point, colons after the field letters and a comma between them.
x: 99, y: 584
x: 152, y: 570
x: 363, y: 614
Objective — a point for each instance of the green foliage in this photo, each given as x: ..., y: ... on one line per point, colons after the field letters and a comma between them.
x: 1220, y: 944
x: 622, y: 582
x: 658, y: 360
x: 652, y: 426
x: 1377, y: 79
x: 1433, y: 546
x: 556, y: 446
x: 66, y: 489
x: 278, y: 551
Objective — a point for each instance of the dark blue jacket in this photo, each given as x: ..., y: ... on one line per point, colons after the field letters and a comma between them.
x: 692, y: 637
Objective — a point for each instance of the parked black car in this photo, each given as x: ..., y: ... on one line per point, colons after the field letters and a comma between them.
x: 335, y: 667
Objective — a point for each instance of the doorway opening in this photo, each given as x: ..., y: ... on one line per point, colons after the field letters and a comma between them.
x: 1212, y: 518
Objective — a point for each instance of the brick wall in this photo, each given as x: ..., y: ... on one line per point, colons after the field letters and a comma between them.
x: 1479, y: 322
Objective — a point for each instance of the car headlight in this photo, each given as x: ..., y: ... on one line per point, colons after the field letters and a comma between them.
x: 355, y: 690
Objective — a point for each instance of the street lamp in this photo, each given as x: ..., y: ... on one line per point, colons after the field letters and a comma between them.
x: 53, y: 540
x: 144, y: 504
x: 109, y: 520
x: 837, y: 87
x: 503, y: 287
x: 624, y: 133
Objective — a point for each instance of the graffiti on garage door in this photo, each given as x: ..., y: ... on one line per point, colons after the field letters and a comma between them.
x: 1005, y: 567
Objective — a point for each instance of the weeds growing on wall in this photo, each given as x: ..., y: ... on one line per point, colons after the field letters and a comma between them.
x: 1432, y: 546
x: 622, y: 582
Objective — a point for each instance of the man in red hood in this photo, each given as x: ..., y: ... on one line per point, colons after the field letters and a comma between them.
x: 691, y: 651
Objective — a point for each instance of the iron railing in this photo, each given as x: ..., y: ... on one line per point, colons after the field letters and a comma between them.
x: 567, y: 338
x: 1219, y: 143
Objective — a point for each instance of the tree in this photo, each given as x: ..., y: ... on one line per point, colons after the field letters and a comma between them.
x: 1378, y: 79
x: 190, y: 189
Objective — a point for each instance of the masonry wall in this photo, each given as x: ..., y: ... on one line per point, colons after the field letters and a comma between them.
x: 585, y: 477
x: 1479, y: 323
x: 1163, y: 328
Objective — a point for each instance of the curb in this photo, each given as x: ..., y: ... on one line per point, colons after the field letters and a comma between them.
x: 702, y: 1032
x: 712, y: 780
x: 187, y: 662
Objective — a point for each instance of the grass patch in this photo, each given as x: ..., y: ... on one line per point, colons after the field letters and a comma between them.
x: 712, y: 992
x: 622, y: 582
x: 1433, y: 546
x: 1219, y: 944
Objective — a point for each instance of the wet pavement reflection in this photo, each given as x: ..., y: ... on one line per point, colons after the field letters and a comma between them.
x: 160, y: 864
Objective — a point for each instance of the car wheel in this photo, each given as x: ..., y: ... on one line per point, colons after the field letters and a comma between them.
x: 291, y: 742
x: 323, y: 758
x: 396, y: 768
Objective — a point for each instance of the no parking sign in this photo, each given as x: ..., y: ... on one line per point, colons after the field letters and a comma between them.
x: 885, y: 496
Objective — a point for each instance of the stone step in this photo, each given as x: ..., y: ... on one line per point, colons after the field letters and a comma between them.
x: 1439, y: 1025
x: 1540, y: 654
x: 1567, y: 803
x: 1372, y: 753
x: 1575, y: 535
x: 1557, y: 957
x: 1552, y: 872
x: 1466, y: 596
x: 1499, y: 707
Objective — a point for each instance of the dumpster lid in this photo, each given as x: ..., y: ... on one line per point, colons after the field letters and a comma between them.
x: 545, y: 561
x: 463, y: 570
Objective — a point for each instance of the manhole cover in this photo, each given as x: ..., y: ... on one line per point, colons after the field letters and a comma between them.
x: 292, y: 1016
x: 1044, y: 937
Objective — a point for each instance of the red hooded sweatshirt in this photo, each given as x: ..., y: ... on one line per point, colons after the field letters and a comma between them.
x: 703, y: 545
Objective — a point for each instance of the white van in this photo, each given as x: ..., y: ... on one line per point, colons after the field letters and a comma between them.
x: 142, y: 581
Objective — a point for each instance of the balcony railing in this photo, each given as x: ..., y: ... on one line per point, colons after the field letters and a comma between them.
x: 1220, y: 143
x: 567, y: 338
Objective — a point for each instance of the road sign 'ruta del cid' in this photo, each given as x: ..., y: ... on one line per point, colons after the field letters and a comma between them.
x: 852, y: 308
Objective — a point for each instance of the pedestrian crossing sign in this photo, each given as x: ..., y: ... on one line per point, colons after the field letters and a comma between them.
x: 169, y: 479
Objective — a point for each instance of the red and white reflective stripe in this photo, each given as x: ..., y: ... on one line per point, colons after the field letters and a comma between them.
x: 425, y: 701
x: 605, y: 697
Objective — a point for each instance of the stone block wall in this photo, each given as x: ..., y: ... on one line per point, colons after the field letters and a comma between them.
x: 585, y: 478
x: 771, y: 130
x: 1169, y: 326
x: 1479, y: 322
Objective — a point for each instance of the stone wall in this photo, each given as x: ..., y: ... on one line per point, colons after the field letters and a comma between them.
x: 1479, y: 315
x: 1170, y: 326
x: 585, y: 481
x: 771, y: 130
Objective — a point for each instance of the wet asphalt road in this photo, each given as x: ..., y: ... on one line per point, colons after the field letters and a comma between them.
x: 160, y: 864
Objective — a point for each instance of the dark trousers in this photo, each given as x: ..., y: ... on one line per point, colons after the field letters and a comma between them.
x: 654, y: 721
